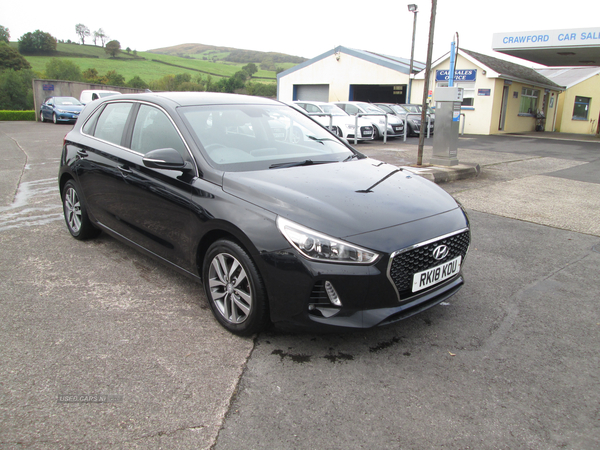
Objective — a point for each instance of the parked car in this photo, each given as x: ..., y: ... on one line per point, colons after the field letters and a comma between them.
x: 395, y: 126
x: 280, y: 227
x: 60, y: 109
x: 343, y: 125
x: 89, y: 95
x: 406, y: 112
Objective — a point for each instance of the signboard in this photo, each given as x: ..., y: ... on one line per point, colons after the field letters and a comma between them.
x: 550, y: 38
x: 484, y: 92
x: 459, y: 75
x: 48, y: 87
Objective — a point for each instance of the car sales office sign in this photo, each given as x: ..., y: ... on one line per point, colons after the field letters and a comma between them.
x: 580, y: 37
x: 459, y: 75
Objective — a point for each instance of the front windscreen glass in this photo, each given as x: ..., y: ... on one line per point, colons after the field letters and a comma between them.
x: 334, y: 110
x: 67, y: 101
x: 372, y: 109
x: 257, y: 137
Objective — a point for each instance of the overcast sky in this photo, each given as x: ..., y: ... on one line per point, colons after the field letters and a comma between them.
x: 303, y: 28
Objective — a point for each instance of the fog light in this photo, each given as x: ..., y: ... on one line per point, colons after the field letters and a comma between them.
x: 332, y: 294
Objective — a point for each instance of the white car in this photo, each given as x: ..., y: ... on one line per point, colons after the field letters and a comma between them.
x: 376, y: 116
x: 343, y: 125
x: 94, y: 94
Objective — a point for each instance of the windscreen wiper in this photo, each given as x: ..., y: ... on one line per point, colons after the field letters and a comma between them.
x: 306, y: 162
x: 319, y: 140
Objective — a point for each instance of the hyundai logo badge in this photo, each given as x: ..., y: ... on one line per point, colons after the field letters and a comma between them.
x: 440, y: 252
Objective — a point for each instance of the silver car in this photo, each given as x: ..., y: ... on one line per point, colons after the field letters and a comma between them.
x: 341, y: 123
x: 395, y: 125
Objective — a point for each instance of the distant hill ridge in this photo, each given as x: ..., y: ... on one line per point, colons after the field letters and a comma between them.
x: 230, y: 54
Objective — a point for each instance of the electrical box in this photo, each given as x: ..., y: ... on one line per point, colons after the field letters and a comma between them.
x: 449, y: 94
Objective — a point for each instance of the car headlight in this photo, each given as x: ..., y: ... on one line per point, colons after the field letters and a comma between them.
x: 62, y: 111
x: 350, y: 127
x: 415, y: 122
x: 320, y: 247
x: 382, y: 121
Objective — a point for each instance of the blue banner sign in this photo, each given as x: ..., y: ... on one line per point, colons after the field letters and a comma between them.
x: 459, y: 75
x: 484, y: 92
x: 48, y: 87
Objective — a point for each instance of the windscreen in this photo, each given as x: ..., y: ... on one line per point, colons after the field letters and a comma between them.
x: 257, y: 137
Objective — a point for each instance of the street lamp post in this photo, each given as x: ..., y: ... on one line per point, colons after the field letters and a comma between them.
x: 413, y: 9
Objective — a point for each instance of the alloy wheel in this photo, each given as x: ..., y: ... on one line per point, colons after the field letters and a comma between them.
x: 72, y: 210
x: 230, y: 288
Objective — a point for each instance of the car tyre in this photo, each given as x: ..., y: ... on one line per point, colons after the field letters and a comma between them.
x: 54, y: 119
x: 375, y: 132
x: 234, y: 288
x: 75, y: 212
x: 42, y: 117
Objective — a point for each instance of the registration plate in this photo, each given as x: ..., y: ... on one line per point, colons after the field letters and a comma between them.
x: 367, y: 133
x: 429, y: 277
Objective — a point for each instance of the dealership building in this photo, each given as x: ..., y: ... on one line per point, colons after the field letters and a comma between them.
x: 499, y: 96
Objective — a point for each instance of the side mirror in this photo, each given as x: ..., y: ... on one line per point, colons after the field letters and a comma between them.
x: 165, y: 158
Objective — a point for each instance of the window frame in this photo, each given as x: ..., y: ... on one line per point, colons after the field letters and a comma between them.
x: 529, y: 93
x: 580, y: 103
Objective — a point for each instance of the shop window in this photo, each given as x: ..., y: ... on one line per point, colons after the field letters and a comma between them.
x: 529, y: 101
x: 581, y: 108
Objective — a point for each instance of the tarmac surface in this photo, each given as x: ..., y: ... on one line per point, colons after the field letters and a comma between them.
x: 104, y: 348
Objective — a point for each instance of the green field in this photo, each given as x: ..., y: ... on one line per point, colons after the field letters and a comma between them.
x: 145, y: 68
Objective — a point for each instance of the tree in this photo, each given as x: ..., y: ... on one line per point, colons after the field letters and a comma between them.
x: 112, y: 78
x: 112, y: 48
x: 63, y: 69
x: 137, y: 82
x: 250, y: 69
x: 37, y: 42
x: 12, y: 59
x: 100, y: 34
x: 82, y: 31
x: 91, y: 76
x: 16, y: 92
x: 4, y: 34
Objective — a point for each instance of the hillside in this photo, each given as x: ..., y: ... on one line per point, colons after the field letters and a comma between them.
x: 266, y: 60
x: 156, y: 64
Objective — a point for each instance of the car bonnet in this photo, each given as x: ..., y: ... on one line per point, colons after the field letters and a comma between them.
x: 342, y: 199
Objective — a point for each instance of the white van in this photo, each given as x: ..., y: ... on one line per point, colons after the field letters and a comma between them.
x: 91, y: 95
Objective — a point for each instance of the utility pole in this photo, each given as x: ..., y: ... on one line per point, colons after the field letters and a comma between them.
x: 426, y: 84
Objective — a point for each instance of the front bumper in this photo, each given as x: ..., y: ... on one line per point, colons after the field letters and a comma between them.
x: 370, y: 295
x: 66, y: 117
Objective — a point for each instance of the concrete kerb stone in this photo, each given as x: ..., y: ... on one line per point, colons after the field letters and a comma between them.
x: 443, y: 174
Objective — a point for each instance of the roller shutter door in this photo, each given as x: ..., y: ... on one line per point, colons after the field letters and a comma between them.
x: 312, y: 92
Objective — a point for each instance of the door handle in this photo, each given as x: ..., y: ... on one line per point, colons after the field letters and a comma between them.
x: 82, y: 153
x: 125, y: 170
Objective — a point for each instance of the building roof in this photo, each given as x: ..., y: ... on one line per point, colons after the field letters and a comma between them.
x: 499, y: 68
x: 509, y: 70
x: 391, y: 62
x: 569, y: 76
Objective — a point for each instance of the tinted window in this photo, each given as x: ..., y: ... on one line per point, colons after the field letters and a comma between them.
x: 254, y: 137
x: 111, y: 122
x: 153, y: 130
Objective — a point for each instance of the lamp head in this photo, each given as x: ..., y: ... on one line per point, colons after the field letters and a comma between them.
x: 413, y: 8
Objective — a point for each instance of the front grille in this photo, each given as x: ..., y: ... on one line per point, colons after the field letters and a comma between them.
x: 318, y: 293
x: 363, y: 131
x: 405, y: 264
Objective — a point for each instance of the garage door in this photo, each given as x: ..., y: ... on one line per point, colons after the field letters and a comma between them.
x: 312, y: 92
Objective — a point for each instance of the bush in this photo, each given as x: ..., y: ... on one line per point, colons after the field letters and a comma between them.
x: 17, y: 115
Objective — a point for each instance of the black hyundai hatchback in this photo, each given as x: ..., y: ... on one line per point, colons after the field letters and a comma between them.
x: 279, y: 219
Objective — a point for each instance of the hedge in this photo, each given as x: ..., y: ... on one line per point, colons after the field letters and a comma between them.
x: 17, y: 115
